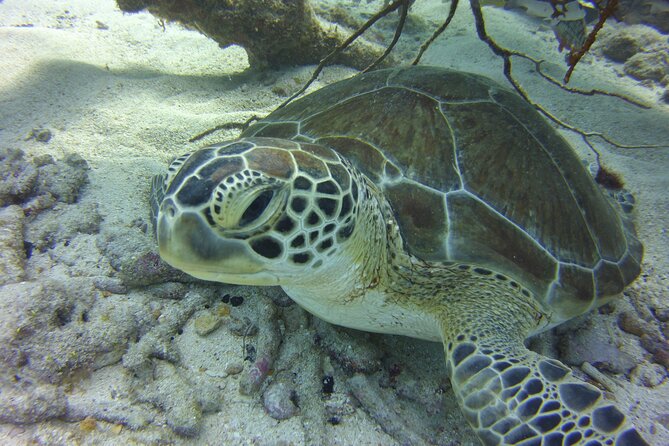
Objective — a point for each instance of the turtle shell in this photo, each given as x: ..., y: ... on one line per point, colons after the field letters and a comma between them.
x: 474, y: 174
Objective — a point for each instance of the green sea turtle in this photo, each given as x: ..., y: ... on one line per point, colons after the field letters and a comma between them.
x: 423, y: 202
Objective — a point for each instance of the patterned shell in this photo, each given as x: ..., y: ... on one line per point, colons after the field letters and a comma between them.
x: 474, y: 174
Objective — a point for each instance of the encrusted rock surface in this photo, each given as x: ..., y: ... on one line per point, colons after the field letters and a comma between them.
x: 12, y: 250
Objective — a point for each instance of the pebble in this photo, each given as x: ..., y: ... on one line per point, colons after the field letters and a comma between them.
x: 234, y: 368
x: 278, y: 401
x: 236, y: 301
x: 206, y: 323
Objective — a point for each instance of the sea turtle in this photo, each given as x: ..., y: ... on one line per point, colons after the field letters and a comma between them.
x: 424, y: 202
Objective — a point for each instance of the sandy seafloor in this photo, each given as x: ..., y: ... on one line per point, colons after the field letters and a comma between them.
x: 126, y: 94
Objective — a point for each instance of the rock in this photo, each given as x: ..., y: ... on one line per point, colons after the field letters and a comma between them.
x: 631, y: 324
x: 156, y: 341
x: 54, y: 330
x: 620, y: 43
x: 18, y: 177
x: 42, y: 181
x: 352, y: 350
x: 652, y: 12
x: 12, y: 250
x: 170, y: 391
x: 658, y: 347
x: 652, y: 66
x: 278, y: 401
x: 648, y: 375
x: 385, y: 414
x: 63, y: 179
x: 63, y: 223
x: 40, y: 135
x: 234, y: 368
x: 31, y: 404
x: 133, y: 254
x: 592, y: 342
x: 206, y: 323
x: 339, y: 405
x: 280, y: 298
x: 267, y: 342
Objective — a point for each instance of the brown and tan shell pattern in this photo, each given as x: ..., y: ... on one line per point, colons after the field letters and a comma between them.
x: 475, y: 175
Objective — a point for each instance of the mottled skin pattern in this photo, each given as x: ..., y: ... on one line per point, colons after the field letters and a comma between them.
x: 292, y: 211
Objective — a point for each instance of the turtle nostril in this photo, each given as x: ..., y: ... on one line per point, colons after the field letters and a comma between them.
x: 169, y: 210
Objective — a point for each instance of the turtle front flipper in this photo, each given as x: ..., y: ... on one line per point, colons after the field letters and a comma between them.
x: 512, y: 395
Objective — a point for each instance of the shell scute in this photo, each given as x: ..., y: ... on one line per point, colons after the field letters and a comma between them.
x: 474, y: 174
x: 407, y: 127
x: 443, y: 85
x: 574, y: 290
x: 420, y: 213
x: 608, y: 279
x: 480, y: 235
x: 275, y: 162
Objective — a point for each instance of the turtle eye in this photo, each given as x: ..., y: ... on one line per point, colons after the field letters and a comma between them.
x: 256, y: 208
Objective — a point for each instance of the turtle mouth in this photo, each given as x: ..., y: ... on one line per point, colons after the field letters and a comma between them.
x: 187, y: 242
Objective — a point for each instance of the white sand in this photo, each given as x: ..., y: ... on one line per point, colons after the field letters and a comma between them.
x: 129, y: 97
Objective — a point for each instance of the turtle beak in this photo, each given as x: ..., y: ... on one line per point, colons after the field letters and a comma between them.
x: 187, y: 242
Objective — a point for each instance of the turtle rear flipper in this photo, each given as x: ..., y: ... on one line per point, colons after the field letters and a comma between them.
x: 512, y: 395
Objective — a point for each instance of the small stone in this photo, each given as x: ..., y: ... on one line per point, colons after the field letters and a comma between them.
x: 627, y: 322
x: 234, y: 368
x: 278, y: 401
x: 648, y: 375
x: 88, y: 424
x: 206, y: 323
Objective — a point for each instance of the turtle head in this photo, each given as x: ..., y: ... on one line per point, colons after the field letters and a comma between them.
x: 258, y: 211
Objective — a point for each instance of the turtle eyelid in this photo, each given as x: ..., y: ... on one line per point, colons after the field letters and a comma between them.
x: 256, y: 208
